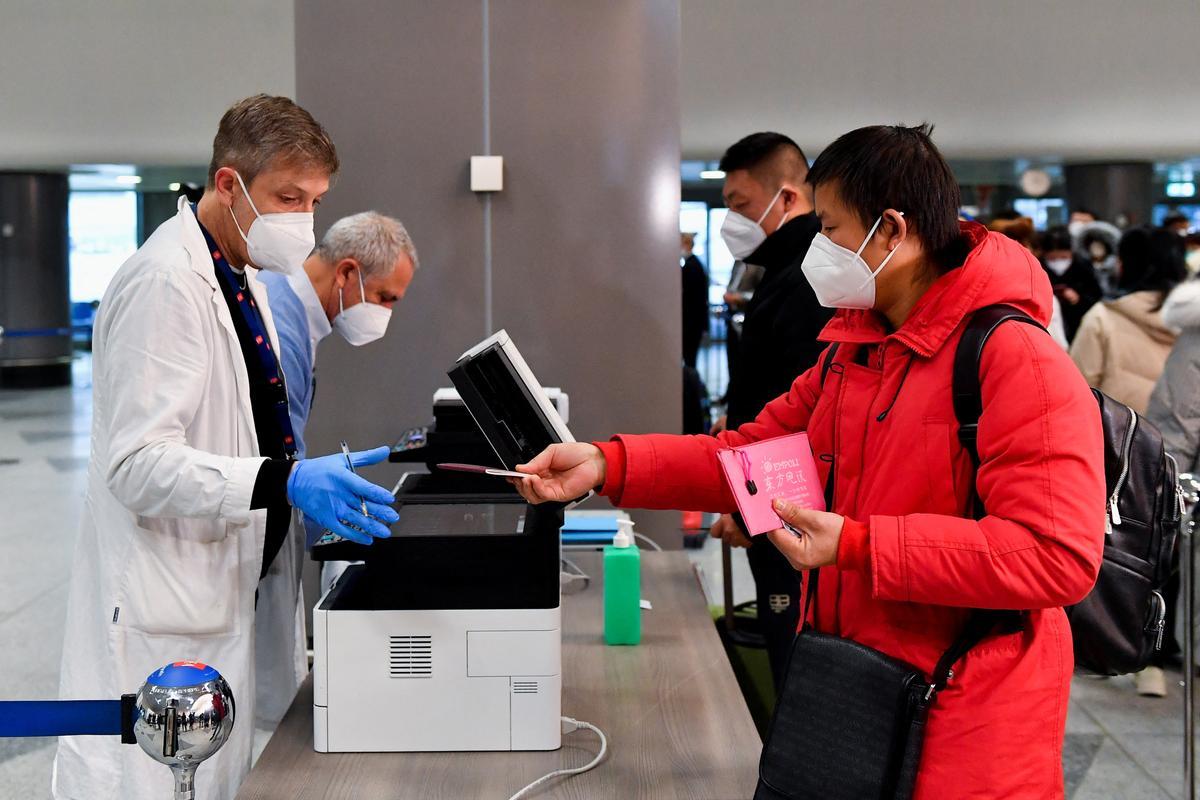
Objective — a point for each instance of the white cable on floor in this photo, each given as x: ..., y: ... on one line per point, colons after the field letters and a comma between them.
x: 570, y: 725
x: 566, y: 574
x: 646, y: 540
x: 573, y: 569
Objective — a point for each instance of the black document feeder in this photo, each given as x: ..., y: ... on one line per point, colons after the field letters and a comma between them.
x: 465, y: 541
x: 498, y: 423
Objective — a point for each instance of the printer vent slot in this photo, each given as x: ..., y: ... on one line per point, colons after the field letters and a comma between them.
x: 525, y: 687
x: 410, y: 656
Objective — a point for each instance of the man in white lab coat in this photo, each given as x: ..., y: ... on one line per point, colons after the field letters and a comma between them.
x: 184, y: 551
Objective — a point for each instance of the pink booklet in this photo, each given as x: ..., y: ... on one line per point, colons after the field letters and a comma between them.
x: 761, y: 472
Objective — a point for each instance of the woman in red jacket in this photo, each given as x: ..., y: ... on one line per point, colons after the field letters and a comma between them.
x: 902, y: 558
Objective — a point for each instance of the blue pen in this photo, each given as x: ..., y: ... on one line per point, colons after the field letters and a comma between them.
x: 350, y: 466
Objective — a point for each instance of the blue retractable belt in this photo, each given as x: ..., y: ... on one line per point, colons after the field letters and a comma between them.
x: 20, y: 718
x: 29, y: 333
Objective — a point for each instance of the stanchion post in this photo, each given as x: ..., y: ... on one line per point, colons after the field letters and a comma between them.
x: 1189, y: 489
x: 1188, y: 562
x: 727, y: 582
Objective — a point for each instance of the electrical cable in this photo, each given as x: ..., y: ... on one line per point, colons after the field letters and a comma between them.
x: 646, y: 540
x: 571, y: 572
x: 574, y: 570
x: 569, y: 726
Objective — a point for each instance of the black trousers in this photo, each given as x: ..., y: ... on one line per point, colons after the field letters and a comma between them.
x: 777, y: 587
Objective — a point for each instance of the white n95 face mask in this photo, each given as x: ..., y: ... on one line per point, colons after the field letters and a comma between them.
x: 839, y: 276
x: 1193, y: 261
x: 278, y: 242
x: 743, y: 235
x: 1058, y: 265
x: 363, y: 322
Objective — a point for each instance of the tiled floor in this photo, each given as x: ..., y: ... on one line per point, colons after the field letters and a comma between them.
x: 1119, y: 745
x: 41, y: 497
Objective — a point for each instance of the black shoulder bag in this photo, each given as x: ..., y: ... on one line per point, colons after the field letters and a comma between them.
x: 850, y: 720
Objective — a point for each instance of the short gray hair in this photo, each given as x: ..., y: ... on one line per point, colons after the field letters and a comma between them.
x: 370, y: 238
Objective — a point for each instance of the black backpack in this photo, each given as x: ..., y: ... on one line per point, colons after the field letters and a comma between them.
x: 1120, y: 624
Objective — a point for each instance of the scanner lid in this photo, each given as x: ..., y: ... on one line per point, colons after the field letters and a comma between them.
x: 511, y: 408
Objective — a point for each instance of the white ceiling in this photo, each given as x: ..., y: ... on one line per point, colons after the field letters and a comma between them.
x: 133, y: 81
x: 144, y: 81
x: 1080, y: 79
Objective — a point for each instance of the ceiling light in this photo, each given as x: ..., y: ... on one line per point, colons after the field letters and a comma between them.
x: 711, y: 175
x: 173, y: 186
x: 128, y: 180
x: 1181, y: 189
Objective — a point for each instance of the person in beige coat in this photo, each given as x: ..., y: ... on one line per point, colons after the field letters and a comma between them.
x: 1122, y: 344
x: 1122, y: 347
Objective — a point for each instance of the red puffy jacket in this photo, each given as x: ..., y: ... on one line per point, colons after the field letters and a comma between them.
x: 912, y: 560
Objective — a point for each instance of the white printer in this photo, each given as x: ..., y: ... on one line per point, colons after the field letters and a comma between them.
x: 448, y: 636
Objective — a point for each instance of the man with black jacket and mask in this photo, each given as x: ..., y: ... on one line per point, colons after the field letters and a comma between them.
x: 770, y: 224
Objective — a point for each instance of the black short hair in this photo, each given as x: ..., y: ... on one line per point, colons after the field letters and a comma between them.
x: 1174, y: 218
x: 894, y: 166
x: 1056, y: 238
x: 770, y: 157
x: 1152, y: 259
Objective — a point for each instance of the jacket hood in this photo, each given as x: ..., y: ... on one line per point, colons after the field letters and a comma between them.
x: 1142, y: 308
x: 1182, y: 309
x: 996, y: 270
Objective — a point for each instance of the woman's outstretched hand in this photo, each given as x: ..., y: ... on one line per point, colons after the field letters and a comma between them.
x: 562, y: 472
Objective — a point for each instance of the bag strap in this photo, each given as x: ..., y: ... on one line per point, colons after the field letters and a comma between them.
x: 968, y: 396
x: 814, y: 575
x: 968, y: 408
x: 830, y: 355
x: 979, y: 625
x: 810, y: 594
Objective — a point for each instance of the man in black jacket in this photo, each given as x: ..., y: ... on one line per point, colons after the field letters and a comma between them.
x: 770, y: 224
x: 694, y: 280
x: 1072, y: 277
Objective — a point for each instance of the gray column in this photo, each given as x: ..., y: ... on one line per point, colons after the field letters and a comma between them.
x: 154, y: 208
x: 1121, y: 193
x: 577, y: 258
x: 34, y: 280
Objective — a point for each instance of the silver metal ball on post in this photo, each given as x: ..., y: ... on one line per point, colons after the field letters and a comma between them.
x: 183, y: 719
x: 182, y: 715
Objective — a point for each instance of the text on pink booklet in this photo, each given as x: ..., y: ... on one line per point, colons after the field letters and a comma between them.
x: 762, y: 472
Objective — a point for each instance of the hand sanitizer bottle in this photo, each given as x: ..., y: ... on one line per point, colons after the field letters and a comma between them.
x: 622, y: 591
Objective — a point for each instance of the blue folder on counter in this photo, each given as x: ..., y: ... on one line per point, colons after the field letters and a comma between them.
x: 590, y: 529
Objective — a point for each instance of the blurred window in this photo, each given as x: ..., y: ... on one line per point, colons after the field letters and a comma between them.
x: 103, y: 231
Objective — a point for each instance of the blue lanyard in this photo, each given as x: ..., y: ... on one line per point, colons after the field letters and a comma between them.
x: 262, y: 342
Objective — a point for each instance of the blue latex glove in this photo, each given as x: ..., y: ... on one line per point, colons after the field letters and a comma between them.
x: 327, y: 491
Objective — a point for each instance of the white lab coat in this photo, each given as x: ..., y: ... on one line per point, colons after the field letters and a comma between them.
x: 169, y: 552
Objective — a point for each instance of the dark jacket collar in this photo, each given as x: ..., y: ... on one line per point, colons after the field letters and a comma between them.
x: 785, y: 244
